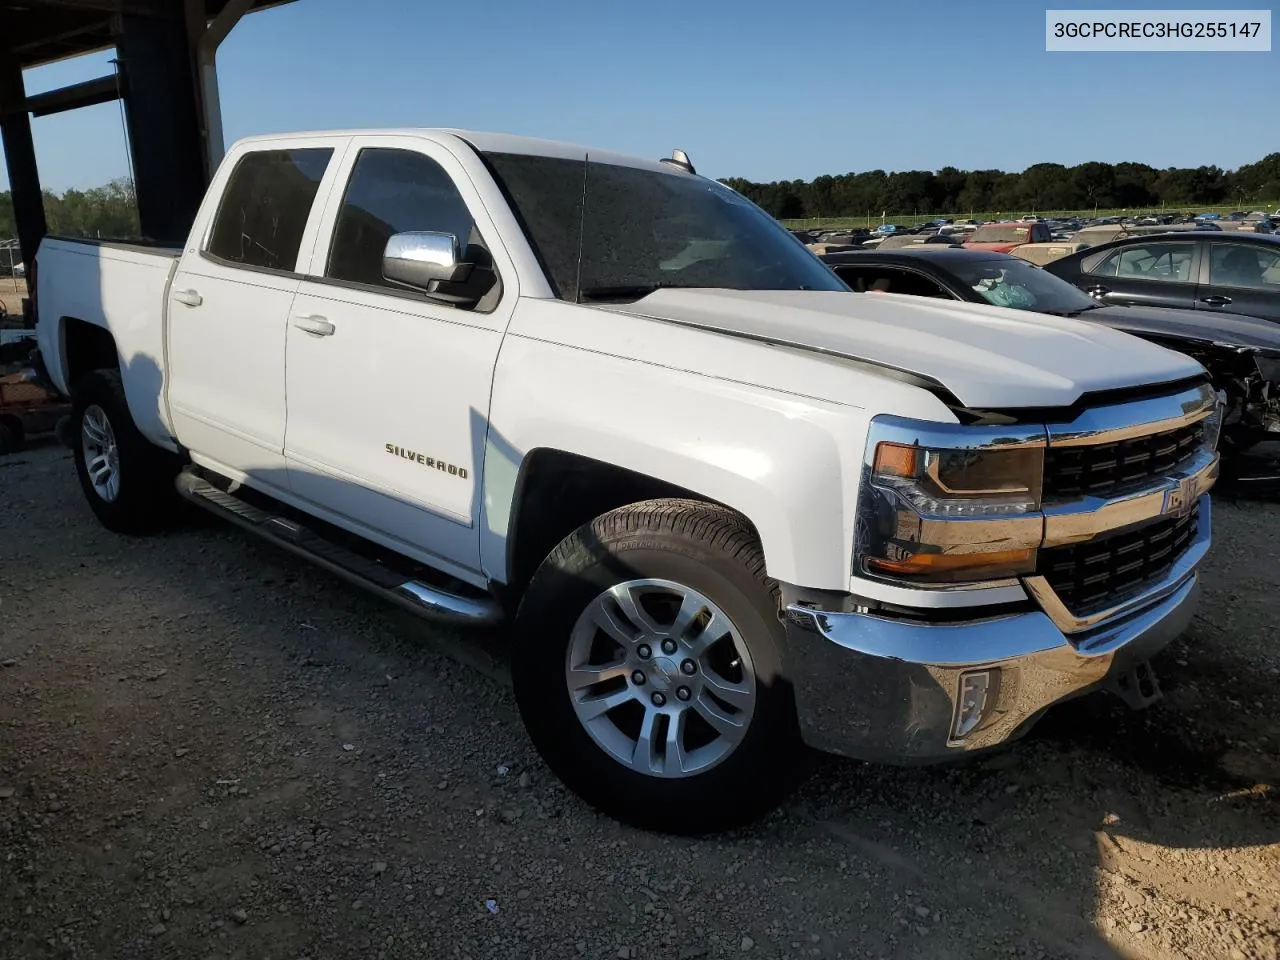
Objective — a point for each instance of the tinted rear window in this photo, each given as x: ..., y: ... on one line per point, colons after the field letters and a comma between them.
x: 265, y: 207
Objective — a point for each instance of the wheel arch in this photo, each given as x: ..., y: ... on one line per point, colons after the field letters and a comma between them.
x: 795, y: 506
x: 87, y: 346
x: 577, y: 488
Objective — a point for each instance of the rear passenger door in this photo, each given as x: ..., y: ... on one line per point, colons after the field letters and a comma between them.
x: 389, y: 403
x: 1155, y: 273
x: 1241, y: 278
x: 229, y: 303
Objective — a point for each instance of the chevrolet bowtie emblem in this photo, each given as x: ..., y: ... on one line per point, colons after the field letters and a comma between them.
x: 1179, y: 501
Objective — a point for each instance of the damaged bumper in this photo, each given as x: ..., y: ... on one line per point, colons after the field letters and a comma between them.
x: 898, y: 690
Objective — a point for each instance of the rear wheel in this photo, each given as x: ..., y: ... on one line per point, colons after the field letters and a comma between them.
x: 127, y: 481
x: 648, y: 670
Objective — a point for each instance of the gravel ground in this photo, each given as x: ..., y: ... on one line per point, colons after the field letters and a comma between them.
x: 211, y: 750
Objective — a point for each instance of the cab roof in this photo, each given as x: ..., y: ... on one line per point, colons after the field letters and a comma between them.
x: 483, y: 142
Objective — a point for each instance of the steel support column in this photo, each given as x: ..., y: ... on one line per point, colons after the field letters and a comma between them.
x: 20, y: 158
x: 164, y: 126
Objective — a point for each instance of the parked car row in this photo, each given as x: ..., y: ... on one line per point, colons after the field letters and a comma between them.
x: 1034, y: 238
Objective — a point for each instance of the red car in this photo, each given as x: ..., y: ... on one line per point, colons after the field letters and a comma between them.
x: 1003, y: 237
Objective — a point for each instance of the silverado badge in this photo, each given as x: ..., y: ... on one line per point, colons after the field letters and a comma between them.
x: 431, y: 463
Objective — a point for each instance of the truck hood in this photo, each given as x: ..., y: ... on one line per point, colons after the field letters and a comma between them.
x: 987, y: 357
x: 1232, y: 329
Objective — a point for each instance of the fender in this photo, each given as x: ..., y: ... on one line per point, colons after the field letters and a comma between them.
x: 789, y: 464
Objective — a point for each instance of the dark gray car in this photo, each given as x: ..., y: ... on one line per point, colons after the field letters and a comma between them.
x: 1213, y: 273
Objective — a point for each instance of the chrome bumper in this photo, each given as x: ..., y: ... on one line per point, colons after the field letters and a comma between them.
x: 896, y: 690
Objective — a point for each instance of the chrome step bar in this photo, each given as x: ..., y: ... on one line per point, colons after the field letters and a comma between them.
x: 427, y: 601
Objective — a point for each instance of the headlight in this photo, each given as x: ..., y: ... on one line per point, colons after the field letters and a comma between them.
x: 947, y: 504
x: 962, y: 482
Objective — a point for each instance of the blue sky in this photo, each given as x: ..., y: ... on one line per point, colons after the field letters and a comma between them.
x: 748, y: 88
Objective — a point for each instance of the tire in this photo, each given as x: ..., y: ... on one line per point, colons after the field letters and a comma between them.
x: 708, y: 557
x: 10, y: 438
x: 140, y: 497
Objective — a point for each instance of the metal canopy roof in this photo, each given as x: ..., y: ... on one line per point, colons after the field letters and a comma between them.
x: 41, y: 31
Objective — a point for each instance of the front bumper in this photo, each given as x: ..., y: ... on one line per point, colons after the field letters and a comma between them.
x: 896, y: 690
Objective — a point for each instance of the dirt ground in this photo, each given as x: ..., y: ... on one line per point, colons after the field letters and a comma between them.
x: 211, y: 750
x: 15, y: 290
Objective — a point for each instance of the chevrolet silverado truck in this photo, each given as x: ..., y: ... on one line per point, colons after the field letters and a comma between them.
x: 728, y: 509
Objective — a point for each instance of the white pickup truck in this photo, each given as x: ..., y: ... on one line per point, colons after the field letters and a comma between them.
x: 730, y: 507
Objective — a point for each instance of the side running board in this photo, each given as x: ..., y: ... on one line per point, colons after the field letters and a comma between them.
x: 433, y: 603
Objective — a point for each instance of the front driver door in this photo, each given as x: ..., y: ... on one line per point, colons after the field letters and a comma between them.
x: 388, y: 389
x: 1242, y: 278
x: 1155, y: 273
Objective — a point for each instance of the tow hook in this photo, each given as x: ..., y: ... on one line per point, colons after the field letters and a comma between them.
x: 1137, y: 685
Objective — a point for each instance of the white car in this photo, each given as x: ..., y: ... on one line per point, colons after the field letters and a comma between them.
x: 729, y: 507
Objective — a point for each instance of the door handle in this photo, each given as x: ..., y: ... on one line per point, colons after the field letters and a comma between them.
x: 1097, y: 290
x: 315, y: 325
x: 190, y: 297
x: 1216, y: 301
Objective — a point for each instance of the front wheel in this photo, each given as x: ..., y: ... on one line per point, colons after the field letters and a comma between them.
x: 648, y: 669
x: 127, y: 481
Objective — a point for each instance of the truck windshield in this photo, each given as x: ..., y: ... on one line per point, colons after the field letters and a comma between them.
x: 611, y: 232
x: 1009, y: 282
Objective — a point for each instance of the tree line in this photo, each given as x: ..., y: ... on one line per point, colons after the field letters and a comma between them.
x: 106, y: 211
x: 1042, y: 186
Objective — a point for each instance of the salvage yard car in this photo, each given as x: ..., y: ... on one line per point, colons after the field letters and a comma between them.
x: 1220, y: 273
x: 1004, y: 237
x: 1242, y: 354
x: 730, y: 508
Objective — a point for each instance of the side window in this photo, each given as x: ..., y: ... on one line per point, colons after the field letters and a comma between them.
x: 265, y: 207
x: 1149, y: 261
x: 395, y: 191
x: 865, y: 279
x: 1245, y: 265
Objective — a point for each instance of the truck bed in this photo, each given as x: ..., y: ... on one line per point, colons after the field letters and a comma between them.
x: 120, y: 286
x: 145, y: 247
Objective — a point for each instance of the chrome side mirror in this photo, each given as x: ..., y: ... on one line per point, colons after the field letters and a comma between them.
x: 422, y: 259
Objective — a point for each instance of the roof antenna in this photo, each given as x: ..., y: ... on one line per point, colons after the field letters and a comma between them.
x: 680, y: 159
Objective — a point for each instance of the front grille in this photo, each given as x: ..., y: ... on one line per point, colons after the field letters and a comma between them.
x: 1100, y: 470
x: 1094, y: 575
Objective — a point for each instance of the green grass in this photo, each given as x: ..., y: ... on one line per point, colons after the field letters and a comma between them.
x: 828, y: 223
